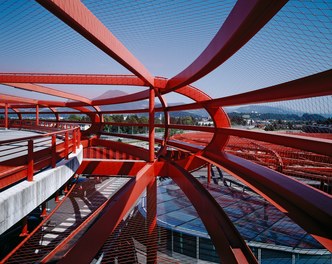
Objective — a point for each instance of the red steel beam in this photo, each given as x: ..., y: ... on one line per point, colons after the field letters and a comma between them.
x: 243, y: 22
x: 151, y: 124
x: 87, y: 79
x: 37, y: 115
x: 49, y: 91
x: 6, y: 115
x: 92, y: 240
x: 305, y: 205
x: 228, y: 242
x: 110, y: 167
x: 151, y: 217
x: 81, y: 19
x: 122, y: 147
x: 6, y: 98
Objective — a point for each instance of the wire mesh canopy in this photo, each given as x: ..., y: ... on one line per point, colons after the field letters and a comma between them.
x: 166, y: 88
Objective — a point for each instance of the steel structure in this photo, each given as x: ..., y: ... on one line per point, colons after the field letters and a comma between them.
x: 263, y: 165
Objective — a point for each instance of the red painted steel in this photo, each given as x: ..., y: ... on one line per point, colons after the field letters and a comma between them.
x: 66, y: 144
x: 308, y: 207
x: 110, y: 167
x: 37, y: 115
x: 26, y: 239
x: 243, y: 22
x: 151, y: 125
x: 151, y: 198
x: 78, y: 17
x: 6, y: 98
x: 48, y: 91
x: 6, y: 115
x: 228, y: 242
x: 16, y: 169
x: 53, y: 78
x: 30, y: 161
x: 89, y: 244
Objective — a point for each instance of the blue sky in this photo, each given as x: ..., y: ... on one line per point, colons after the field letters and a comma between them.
x: 166, y: 36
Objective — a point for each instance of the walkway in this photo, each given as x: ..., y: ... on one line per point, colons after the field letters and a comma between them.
x: 86, y: 197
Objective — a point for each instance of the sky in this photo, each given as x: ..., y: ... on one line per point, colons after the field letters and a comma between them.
x: 166, y: 36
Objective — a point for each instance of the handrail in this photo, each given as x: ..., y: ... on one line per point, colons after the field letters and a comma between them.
x: 35, y: 137
x: 15, y: 169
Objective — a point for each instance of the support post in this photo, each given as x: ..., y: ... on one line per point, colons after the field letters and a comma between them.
x: 151, y: 124
x: 152, y: 246
x: 74, y: 140
x: 53, y: 151
x: 30, y: 161
x: 66, y: 145
x: 78, y: 137
x: 208, y: 173
x: 37, y: 115
x: 6, y: 115
x: 57, y: 120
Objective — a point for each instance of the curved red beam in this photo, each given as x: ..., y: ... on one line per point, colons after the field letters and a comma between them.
x: 88, y: 79
x: 48, y: 91
x: 307, y: 206
x: 229, y: 244
x: 81, y: 19
x: 5, y: 98
x: 244, y: 21
x: 118, y: 206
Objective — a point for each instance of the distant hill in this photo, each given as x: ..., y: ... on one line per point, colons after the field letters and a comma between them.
x: 262, y: 109
x: 110, y: 94
x: 125, y: 106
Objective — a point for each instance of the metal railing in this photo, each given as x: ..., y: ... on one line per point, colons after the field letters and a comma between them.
x: 20, y: 158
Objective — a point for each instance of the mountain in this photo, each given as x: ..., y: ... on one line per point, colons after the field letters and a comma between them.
x: 262, y: 109
x: 110, y: 94
x: 126, y: 106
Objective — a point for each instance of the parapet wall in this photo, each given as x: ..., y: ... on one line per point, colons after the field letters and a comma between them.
x: 19, y: 200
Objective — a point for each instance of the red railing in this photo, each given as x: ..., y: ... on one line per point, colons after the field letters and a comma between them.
x: 20, y: 158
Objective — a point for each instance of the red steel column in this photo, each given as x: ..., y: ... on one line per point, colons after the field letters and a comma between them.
x: 6, y: 115
x: 30, y: 160
x: 37, y: 115
x: 66, y: 145
x: 151, y: 124
x: 208, y: 173
x: 73, y: 140
x: 151, y: 205
x: 53, y: 151
x: 78, y: 137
